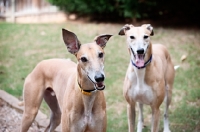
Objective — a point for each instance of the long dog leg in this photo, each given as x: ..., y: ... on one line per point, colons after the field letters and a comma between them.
x: 131, y: 116
x: 140, y: 118
x: 52, y: 102
x: 155, y: 119
x: 170, y: 73
x: 167, y: 102
x: 32, y: 103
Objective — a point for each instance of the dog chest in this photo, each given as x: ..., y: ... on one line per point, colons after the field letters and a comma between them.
x: 142, y: 94
x: 139, y: 90
x: 91, y: 116
x: 90, y: 122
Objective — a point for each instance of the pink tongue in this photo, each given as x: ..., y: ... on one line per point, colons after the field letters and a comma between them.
x: 139, y: 60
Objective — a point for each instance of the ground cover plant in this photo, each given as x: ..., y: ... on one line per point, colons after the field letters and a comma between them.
x: 22, y: 46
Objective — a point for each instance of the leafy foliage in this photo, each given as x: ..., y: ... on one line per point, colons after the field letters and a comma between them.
x: 117, y: 9
x: 111, y: 8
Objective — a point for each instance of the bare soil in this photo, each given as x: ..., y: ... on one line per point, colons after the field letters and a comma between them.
x: 10, y: 119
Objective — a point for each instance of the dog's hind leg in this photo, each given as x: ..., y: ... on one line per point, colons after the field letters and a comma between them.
x: 32, y: 101
x: 169, y: 80
x: 168, y: 95
x: 52, y: 102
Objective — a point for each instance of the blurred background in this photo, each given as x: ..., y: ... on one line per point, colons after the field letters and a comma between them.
x: 178, y: 12
x: 30, y: 31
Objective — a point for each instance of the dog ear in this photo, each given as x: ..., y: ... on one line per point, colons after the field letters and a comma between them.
x: 71, y: 41
x: 150, y: 28
x: 124, y: 29
x: 101, y: 40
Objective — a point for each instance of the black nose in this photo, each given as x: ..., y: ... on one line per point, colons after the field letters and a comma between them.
x: 99, y: 77
x: 140, y: 51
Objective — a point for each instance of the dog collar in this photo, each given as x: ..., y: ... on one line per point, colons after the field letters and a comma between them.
x: 145, y: 64
x: 86, y: 92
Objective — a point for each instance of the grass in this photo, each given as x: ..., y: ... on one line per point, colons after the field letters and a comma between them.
x: 22, y: 46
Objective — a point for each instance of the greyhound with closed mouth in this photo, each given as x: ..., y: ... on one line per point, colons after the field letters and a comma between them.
x: 149, y: 78
x: 72, y: 91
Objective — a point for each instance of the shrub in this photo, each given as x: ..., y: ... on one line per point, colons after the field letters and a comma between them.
x: 102, y: 8
x: 117, y: 9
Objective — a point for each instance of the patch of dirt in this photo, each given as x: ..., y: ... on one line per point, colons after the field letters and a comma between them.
x: 10, y: 119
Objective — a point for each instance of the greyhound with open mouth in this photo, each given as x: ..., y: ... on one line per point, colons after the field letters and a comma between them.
x: 149, y: 77
x: 72, y: 91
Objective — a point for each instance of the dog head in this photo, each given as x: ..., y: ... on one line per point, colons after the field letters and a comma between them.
x: 90, y: 56
x: 138, y: 40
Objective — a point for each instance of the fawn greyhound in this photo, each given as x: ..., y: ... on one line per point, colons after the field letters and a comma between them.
x: 72, y: 91
x: 149, y: 78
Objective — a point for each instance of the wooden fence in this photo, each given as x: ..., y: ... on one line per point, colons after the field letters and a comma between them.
x: 30, y: 11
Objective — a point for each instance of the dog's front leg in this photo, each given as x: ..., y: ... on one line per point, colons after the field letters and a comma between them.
x: 140, y: 118
x: 131, y: 103
x: 131, y: 116
x: 155, y: 119
x: 65, y: 121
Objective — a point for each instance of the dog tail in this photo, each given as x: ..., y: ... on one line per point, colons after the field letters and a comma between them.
x: 176, y: 67
x: 183, y: 58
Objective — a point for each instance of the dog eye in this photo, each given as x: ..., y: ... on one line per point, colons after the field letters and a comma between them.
x: 84, y: 59
x: 132, y: 37
x: 100, y: 55
x: 145, y: 36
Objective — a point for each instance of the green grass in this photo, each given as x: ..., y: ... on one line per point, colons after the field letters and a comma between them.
x: 22, y: 46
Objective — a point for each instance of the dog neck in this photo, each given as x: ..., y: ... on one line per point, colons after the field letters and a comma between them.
x: 88, y: 104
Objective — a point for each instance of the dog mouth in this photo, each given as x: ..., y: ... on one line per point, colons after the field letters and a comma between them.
x: 139, y: 59
x: 99, y: 85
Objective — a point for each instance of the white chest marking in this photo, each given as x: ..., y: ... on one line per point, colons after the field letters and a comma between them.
x: 140, y: 91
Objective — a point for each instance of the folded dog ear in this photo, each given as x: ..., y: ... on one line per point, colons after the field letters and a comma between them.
x: 150, y: 28
x: 124, y: 29
x: 101, y: 40
x: 71, y: 41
